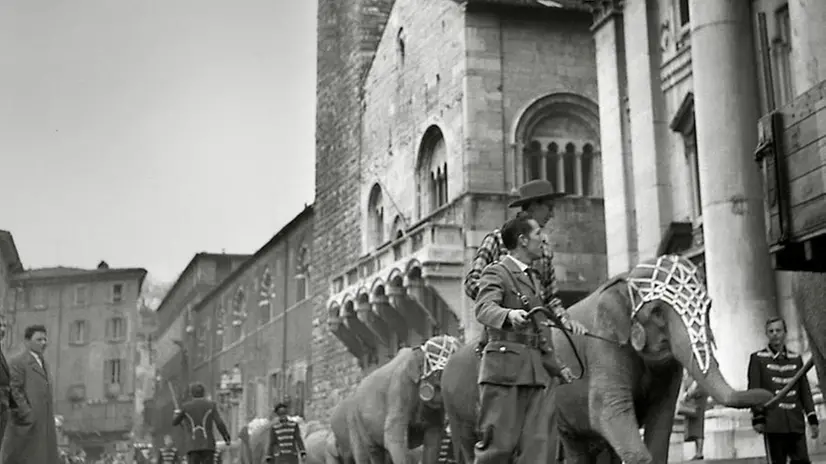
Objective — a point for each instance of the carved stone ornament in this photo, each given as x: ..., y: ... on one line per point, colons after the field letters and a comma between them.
x: 665, y: 36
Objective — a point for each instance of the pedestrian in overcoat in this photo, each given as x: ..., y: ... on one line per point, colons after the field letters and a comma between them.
x: 31, y: 436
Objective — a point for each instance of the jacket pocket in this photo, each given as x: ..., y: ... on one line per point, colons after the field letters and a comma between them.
x: 503, y: 363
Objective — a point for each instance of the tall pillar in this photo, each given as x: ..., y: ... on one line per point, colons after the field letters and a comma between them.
x: 740, y: 276
x: 649, y: 131
x: 560, y: 172
x: 808, y: 18
x: 617, y: 185
x: 578, y: 172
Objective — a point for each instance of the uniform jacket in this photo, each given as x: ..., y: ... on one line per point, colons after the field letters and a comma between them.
x: 30, y: 434
x: 285, y: 439
x: 200, y: 416
x: 772, y: 371
x: 169, y: 456
x: 505, y: 362
x: 492, y: 249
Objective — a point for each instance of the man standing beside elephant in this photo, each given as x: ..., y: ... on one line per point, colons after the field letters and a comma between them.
x: 514, y: 370
x: 783, y: 425
x: 535, y: 199
x: 285, y: 444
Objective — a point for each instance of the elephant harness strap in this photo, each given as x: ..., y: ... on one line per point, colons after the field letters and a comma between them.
x: 676, y: 281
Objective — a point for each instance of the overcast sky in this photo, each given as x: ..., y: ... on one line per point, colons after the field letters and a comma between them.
x: 143, y: 131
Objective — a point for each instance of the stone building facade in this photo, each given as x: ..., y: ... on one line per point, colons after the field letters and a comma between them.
x: 9, y: 266
x: 442, y: 109
x: 682, y: 84
x: 88, y: 314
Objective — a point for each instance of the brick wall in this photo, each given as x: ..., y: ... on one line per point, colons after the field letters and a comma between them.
x: 348, y: 33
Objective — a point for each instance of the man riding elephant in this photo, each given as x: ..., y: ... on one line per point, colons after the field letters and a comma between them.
x: 396, y: 408
x: 536, y: 198
x: 644, y: 327
x: 516, y: 364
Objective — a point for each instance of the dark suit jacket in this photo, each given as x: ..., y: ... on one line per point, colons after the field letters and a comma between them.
x: 772, y: 371
x: 201, y: 416
x: 504, y: 362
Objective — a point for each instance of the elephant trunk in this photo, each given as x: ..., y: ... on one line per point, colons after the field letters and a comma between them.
x: 711, y: 381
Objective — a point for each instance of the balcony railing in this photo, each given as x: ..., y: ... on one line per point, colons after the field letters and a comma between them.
x: 113, y: 416
x: 405, y: 291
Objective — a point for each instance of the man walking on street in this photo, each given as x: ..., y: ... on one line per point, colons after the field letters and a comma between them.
x: 514, y: 369
x: 783, y: 425
x: 31, y: 437
x: 285, y: 444
x: 200, y: 416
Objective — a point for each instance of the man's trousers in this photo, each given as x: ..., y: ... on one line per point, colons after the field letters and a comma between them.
x: 200, y: 457
x: 787, y: 446
x: 506, y: 423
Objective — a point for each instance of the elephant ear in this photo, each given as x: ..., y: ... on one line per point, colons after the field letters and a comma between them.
x: 613, y: 312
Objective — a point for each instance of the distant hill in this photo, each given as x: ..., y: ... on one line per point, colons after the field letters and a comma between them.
x: 153, y: 292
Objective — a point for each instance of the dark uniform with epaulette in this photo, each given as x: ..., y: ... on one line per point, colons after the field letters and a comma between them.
x: 783, y: 424
x: 516, y: 363
x: 285, y: 444
x: 169, y: 456
x: 201, y: 417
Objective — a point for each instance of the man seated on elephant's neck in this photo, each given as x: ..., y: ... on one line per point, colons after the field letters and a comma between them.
x: 516, y: 361
x: 536, y: 199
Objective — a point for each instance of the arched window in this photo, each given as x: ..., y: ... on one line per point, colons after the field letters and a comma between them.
x: 302, y: 272
x: 266, y: 293
x: 559, y: 136
x: 375, y: 217
x: 431, y: 173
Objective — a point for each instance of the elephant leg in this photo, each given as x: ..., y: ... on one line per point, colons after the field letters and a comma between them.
x: 659, y: 419
x: 576, y: 452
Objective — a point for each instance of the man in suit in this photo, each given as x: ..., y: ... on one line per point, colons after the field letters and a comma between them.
x: 5, y: 386
x: 285, y: 444
x: 516, y: 361
x: 31, y: 436
x: 783, y: 425
x: 199, y: 417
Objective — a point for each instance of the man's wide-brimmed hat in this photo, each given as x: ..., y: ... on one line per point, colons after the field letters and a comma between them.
x: 535, y: 190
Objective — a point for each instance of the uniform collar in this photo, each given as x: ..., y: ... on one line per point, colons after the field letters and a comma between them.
x: 783, y: 351
x: 522, y: 266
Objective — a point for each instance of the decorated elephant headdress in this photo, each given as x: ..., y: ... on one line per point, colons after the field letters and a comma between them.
x: 677, y: 282
x: 436, y: 351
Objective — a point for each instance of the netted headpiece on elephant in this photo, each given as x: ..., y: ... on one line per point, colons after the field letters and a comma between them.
x: 436, y: 352
x: 677, y: 282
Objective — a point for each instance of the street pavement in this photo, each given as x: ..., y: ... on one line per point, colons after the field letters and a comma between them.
x: 820, y: 458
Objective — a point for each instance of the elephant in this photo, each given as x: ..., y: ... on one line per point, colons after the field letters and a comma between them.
x: 809, y: 299
x: 395, y: 408
x: 644, y: 327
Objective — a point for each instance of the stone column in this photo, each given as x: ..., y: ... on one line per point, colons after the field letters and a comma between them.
x: 616, y: 185
x: 739, y: 272
x: 649, y: 131
x: 560, y: 171
x: 578, y: 172
x: 543, y: 165
x: 808, y: 19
